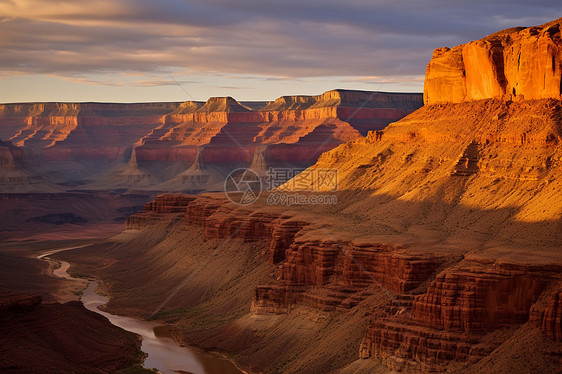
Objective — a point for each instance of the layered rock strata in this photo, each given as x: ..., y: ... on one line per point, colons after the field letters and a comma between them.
x: 295, y: 128
x: 174, y: 131
x: 163, y: 208
x: 441, y: 308
x: 448, y: 322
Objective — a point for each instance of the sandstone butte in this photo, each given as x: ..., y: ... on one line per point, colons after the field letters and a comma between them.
x: 454, y: 212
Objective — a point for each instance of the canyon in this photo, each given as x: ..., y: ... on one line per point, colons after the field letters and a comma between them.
x: 442, y: 253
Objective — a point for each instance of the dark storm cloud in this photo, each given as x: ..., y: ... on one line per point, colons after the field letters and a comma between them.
x: 272, y: 38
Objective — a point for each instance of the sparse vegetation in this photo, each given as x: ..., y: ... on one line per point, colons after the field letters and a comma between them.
x: 137, y: 369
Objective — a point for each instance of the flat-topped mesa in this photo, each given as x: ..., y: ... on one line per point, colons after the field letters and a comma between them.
x: 80, y: 130
x: 290, y: 103
x: 221, y: 120
x: 223, y: 104
x: 187, y: 107
x: 334, y: 117
x: 369, y: 99
x: 28, y: 113
x: 517, y: 63
x: 346, y: 98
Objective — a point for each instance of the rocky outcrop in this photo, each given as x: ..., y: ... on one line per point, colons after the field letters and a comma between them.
x: 473, y: 298
x: 94, y: 346
x: 547, y: 314
x: 514, y: 63
x: 221, y: 219
x: 404, y: 346
x: 448, y: 322
x: 164, y: 208
x: 17, y: 303
x: 283, y: 233
x: 345, y: 269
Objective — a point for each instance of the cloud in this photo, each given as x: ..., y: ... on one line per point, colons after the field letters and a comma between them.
x: 278, y: 40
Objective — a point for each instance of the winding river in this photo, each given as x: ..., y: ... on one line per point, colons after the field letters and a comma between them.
x: 163, y: 352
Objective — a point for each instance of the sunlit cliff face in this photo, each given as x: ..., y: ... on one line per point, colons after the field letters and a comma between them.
x: 514, y: 63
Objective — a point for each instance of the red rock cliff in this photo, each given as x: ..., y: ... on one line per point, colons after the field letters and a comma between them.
x: 514, y: 63
x: 42, y: 125
x: 299, y: 126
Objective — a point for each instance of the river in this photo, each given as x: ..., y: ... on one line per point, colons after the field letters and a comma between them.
x: 163, y: 352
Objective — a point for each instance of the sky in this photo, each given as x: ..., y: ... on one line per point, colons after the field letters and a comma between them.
x: 178, y: 50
